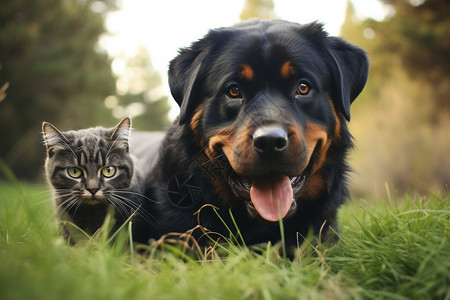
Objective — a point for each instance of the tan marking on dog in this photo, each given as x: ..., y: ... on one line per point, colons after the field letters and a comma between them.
x: 247, y: 72
x: 314, y: 134
x: 337, y: 126
x: 314, y: 187
x: 319, y: 133
x: 195, y: 121
x: 287, y: 70
x: 223, y: 139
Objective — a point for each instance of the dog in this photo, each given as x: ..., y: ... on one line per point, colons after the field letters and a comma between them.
x: 262, y: 134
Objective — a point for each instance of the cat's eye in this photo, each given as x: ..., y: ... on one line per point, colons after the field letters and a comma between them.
x: 303, y: 88
x: 75, y: 172
x: 108, y: 171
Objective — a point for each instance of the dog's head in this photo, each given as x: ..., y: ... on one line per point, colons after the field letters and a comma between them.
x: 271, y: 96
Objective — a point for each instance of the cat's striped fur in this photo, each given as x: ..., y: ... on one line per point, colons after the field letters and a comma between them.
x: 91, y: 170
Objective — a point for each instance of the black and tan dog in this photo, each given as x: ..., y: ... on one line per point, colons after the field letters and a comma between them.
x: 262, y: 131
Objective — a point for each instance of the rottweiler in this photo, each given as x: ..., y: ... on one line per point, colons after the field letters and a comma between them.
x: 262, y: 134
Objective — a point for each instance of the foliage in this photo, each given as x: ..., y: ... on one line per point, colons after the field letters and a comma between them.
x: 51, y: 69
x: 54, y: 72
x: 263, y: 9
x: 396, y: 249
x: 401, y: 118
x: 419, y: 34
x: 138, y: 93
x: 416, y: 38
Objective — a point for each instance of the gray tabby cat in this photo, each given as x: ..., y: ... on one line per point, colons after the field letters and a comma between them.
x: 92, y: 169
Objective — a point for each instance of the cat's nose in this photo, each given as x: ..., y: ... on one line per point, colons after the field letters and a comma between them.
x: 93, y: 191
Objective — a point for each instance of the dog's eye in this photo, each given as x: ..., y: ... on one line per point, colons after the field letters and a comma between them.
x: 234, y: 92
x: 303, y: 88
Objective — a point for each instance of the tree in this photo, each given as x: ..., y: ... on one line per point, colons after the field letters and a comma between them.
x: 139, y: 94
x: 417, y: 36
x: 422, y: 41
x: 258, y: 9
x: 53, y: 71
x: 402, y: 117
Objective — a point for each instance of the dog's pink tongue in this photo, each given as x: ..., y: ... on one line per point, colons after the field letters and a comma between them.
x: 272, y: 197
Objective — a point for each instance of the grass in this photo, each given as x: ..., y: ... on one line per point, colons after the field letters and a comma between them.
x: 391, y: 249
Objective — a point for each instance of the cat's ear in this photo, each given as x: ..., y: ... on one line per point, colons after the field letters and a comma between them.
x: 121, y: 134
x: 53, y: 138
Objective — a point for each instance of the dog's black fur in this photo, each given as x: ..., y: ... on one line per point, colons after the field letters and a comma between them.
x: 275, y: 75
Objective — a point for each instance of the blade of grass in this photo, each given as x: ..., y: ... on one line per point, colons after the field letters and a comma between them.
x: 237, y: 227
x: 283, y: 240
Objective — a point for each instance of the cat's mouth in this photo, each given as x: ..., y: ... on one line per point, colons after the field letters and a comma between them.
x: 92, y: 197
x: 92, y: 200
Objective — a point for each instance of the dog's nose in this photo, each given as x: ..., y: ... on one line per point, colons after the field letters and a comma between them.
x: 270, y: 140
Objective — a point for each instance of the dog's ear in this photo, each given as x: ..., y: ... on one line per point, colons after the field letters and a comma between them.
x: 183, y: 78
x: 350, y: 68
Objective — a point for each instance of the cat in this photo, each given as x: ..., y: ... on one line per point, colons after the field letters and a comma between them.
x: 91, y: 170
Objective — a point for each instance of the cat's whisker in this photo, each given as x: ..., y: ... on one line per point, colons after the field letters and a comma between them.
x: 65, y: 199
x: 121, y: 209
x: 135, y: 207
x: 87, y: 153
x: 78, y: 204
x: 129, y: 203
x: 69, y: 204
x: 66, y: 205
x: 63, y: 190
x: 129, y: 208
x: 51, y: 193
x: 52, y: 198
x: 136, y: 194
x: 68, y: 193
x: 43, y: 192
x: 124, y: 204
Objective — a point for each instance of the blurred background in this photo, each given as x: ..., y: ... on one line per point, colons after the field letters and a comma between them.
x: 81, y: 63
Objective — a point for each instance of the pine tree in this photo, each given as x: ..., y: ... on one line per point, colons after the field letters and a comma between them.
x: 140, y: 97
x: 258, y: 9
x: 52, y: 69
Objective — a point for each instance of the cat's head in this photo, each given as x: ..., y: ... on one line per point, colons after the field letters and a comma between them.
x: 87, y: 166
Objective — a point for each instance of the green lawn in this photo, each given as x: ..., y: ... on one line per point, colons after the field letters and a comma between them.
x: 392, y: 249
